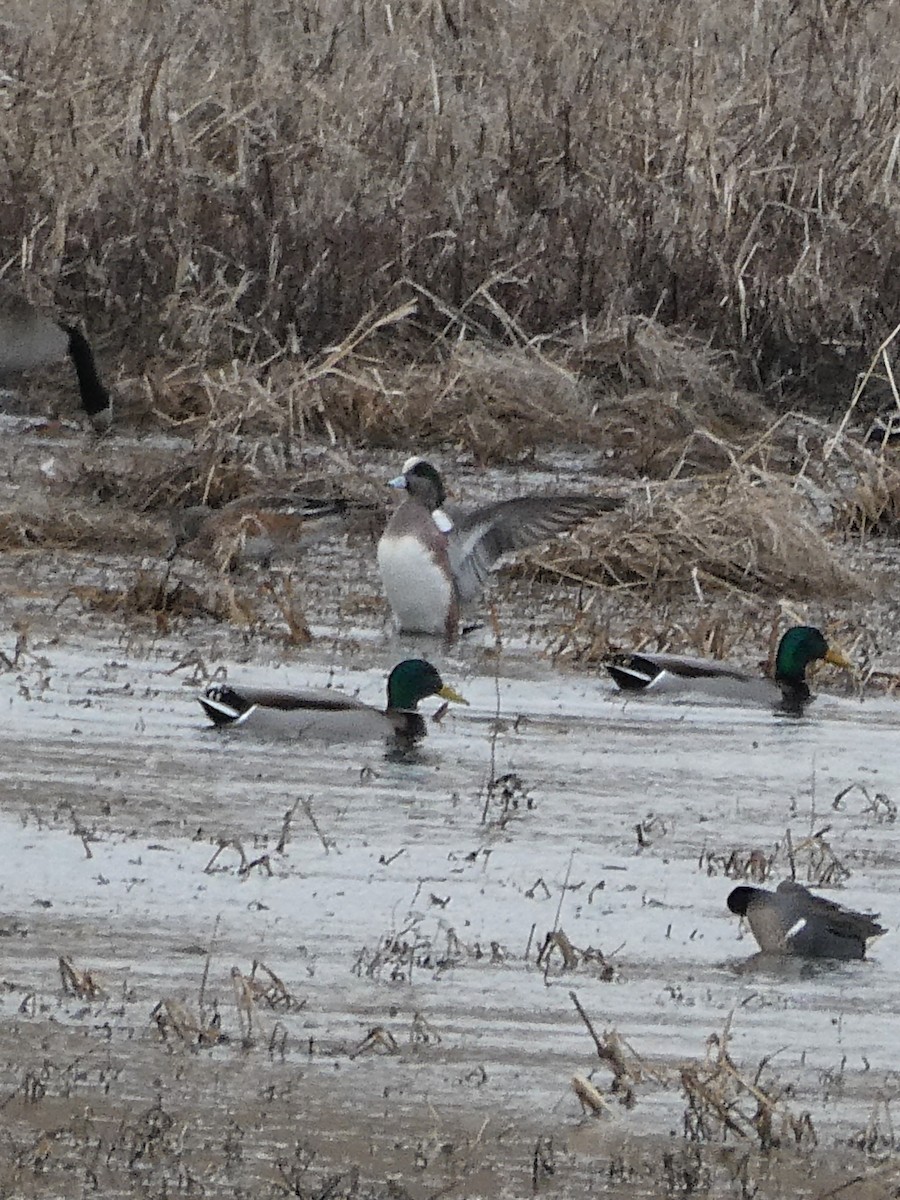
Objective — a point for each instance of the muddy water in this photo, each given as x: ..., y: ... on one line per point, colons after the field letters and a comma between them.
x: 407, y: 898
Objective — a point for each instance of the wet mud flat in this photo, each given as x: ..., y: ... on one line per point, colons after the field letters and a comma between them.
x: 233, y: 967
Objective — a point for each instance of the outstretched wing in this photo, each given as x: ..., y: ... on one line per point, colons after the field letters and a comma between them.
x: 479, y: 538
x: 226, y: 705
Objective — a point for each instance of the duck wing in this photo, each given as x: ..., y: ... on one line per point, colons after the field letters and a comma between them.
x: 226, y: 705
x: 259, y: 523
x: 642, y: 671
x: 310, y: 716
x: 840, y: 922
x: 479, y: 538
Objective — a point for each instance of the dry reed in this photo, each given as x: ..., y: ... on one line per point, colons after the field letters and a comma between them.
x: 741, y: 532
x: 248, y: 189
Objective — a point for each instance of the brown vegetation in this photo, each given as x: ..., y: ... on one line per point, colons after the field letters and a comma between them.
x: 489, y: 231
x: 251, y: 187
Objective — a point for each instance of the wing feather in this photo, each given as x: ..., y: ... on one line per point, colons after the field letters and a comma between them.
x: 242, y: 698
x: 842, y: 922
x: 481, y: 537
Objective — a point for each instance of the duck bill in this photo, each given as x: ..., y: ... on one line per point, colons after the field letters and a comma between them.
x: 399, y: 481
x: 837, y: 659
x: 449, y: 693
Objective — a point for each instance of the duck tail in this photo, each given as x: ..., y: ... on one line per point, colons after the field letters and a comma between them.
x: 224, y: 706
x: 630, y: 672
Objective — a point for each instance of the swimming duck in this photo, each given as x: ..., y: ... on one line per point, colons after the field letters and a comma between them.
x: 31, y: 338
x: 330, y: 716
x: 435, y: 559
x: 791, y: 920
x: 788, y: 690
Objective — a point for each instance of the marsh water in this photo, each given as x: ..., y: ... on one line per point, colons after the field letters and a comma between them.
x: 413, y: 1031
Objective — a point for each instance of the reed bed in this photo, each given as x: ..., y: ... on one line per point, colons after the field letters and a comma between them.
x: 250, y: 188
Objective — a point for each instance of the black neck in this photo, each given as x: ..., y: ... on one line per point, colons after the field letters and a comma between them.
x: 795, y: 695
x: 409, y: 725
x: 94, y: 396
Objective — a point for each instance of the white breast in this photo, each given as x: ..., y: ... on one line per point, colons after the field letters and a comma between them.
x: 417, y: 590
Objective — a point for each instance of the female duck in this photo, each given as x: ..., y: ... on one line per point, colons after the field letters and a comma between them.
x: 330, y: 716
x: 788, y: 690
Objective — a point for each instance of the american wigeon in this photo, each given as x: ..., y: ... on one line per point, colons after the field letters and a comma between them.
x: 791, y: 920
x: 434, y: 559
x: 787, y: 690
x: 329, y: 716
x: 31, y: 338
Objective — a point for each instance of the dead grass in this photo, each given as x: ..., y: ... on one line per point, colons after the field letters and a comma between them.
x: 632, y: 387
x: 249, y: 190
x: 769, y: 515
x: 78, y: 982
x: 811, y: 859
x: 78, y: 527
x: 494, y: 233
x: 742, y: 532
x: 162, y: 598
x: 724, y: 1103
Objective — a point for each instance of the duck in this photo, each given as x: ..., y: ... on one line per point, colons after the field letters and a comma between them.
x: 257, y: 528
x: 792, y: 920
x: 31, y: 338
x: 434, y: 559
x: 788, y: 690
x: 330, y: 716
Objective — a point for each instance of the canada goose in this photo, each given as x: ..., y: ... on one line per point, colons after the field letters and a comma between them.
x: 435, y: 559
x: 30, y: 338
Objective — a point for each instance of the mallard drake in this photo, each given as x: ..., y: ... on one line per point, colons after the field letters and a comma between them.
x: 800, y: 645
x: 31, y: 338
x: 434, y: 559
x: 259, y: 527
x: 791, y: 920
x: 330, y: 716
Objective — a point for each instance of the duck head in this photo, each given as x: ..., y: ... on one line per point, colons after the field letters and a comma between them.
x: 800, y: 646
x: 413, y: 680
x: 423, y: 481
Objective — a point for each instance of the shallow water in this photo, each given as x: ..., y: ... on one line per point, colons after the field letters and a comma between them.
x: 408, y: 898
x: 402, y: 905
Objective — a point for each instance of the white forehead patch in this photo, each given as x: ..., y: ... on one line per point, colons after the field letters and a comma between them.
x: 410, y: 463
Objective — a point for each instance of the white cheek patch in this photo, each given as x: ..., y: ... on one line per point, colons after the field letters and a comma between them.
x: 442, y: 521
x: 796, y: 928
